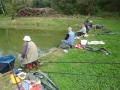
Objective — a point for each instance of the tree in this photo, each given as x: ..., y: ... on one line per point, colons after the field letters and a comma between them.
x: 40, y: 3
x: 1, y: 6
x: 85, y: 7
x: 90, y: 6
x: 13, y: 6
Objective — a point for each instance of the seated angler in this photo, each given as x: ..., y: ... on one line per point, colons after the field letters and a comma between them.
x: 90, y: 25
x: 29, y: 52
x: 69, y: 39
x: 81, y: 31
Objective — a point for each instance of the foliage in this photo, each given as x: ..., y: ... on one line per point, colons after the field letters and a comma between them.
x: 11, y: 7
x: 1, y: 7
x: 41, y: 3
x: 69, y: 7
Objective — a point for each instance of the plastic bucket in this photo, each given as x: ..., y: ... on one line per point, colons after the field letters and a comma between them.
x: 13, y: 77
x: 83, y: 42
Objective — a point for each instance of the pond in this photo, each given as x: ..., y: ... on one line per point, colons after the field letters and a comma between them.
x: 11, y: 40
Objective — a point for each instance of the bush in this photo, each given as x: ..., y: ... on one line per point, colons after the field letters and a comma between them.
x: 108, y: 14
x: 9, y: 9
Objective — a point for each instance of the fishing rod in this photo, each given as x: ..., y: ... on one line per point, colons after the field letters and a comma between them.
x: 77, y: 74
x: 14, y: 76
x: 83, y: 62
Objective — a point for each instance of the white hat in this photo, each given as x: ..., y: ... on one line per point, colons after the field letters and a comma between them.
x: 27, y: 38
x: 69, y: 28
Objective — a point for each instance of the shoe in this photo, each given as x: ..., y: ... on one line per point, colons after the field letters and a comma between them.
x: 66, y: 51
x: 70, y: 46
x: 41, y: 63
x: 21, y: 67
x: 77, y: 37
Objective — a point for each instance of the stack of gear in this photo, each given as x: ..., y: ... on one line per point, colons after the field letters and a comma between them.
x: 103, y: 50
x: 35, y: 81
x: 107, y: 32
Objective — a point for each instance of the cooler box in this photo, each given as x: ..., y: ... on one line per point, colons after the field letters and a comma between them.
x: 28, y: 85
x: 6, y: 63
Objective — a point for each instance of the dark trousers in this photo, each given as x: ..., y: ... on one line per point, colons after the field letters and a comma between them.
x: 79, y: 34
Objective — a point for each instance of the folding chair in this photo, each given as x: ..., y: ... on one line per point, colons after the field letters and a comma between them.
x: 29, y: 66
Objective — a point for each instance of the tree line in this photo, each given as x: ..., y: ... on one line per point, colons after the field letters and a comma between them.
x: 68, y: 7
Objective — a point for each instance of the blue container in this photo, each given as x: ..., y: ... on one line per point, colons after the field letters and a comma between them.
x: 6, y: 63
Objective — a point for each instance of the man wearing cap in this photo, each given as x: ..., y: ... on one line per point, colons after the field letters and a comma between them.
x: 29, y: 52
x: 69, y: 39
x: 90, y: 24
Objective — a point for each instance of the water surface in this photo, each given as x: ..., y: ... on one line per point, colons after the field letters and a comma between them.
x: 11, y: 40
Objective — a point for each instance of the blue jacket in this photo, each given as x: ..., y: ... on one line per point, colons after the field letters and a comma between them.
x: 71, y: 38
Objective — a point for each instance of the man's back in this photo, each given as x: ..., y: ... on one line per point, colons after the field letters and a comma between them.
x: 31, y: 54
x: 71, y: 38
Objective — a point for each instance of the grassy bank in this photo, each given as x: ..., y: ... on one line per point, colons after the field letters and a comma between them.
x: 75, y: 76
x: 88, y: 76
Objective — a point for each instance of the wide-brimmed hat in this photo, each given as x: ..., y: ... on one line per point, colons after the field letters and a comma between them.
x: 27, y: 38
x: 69, y: 28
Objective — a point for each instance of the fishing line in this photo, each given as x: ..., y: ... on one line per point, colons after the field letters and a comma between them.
x: 76, y: 74
x: 84, y: 62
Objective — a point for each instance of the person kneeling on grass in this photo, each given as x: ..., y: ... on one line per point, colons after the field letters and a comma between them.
x: 81, y: 32
x: 69, y: 39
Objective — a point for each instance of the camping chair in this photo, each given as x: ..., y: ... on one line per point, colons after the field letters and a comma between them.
x: 29, y: 66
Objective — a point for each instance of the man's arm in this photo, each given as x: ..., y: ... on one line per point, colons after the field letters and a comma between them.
x: 24, y: 50
x: 81, y: 30
x: 67, y: 36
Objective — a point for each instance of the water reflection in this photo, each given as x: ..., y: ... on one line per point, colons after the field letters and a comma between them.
x: 42, y: 52
x: 15, y: 53
x: 11, y: 40
x: 1, y: 53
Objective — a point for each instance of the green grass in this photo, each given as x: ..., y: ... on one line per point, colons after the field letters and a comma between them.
x: 90, y: 76
x: 39, y: 23
x: 76, y: 76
